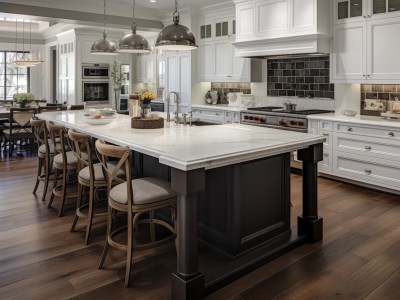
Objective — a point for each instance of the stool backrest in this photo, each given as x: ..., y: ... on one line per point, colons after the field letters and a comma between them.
x: 40, y: 131
x: 21, y: 116
x: 82, y: 143
x: 59, y: 138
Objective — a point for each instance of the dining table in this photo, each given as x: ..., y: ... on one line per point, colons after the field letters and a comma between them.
x: 233, y: 172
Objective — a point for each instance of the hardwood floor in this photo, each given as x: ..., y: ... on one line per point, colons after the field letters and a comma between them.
x: 40, y: 258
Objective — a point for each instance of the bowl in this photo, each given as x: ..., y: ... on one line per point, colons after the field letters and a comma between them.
x: 349, y: 113
x: 102, y: 121
x: 107, y: 112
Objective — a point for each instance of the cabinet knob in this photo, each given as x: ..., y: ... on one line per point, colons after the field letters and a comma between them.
x: 364, y: 75
x: 349, y: 129
x: 391, y: 134
x: 368, y: 171
x: 369, y: 75
x: 367, y: 147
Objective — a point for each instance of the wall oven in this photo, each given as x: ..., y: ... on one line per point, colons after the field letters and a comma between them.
x: 95, y: 71
x: 96, y: 92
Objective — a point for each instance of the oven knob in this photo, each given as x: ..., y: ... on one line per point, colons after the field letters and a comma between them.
x: 263, y: 120
x: 246, y: 117
x: 293, y: 122
x: 256, y: 119
x: 251, y: 118
x: 301, y: 123
x: 282, y: 123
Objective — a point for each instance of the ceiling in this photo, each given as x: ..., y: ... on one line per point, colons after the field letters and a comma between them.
x: 170, y: 4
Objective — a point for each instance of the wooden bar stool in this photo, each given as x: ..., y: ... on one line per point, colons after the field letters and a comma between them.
x: 64, y: 162
x: 45, y: 154
x: 90, y: 176
x: 140, y: 196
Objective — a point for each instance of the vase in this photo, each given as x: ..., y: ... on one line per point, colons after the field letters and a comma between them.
x: 146, y: 108
x: 117, y: 93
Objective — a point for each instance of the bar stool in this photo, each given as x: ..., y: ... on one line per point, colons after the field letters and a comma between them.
x: 64, y: 162
x: 140, y: 196
x: 45, y: 154
x: 90, y: 176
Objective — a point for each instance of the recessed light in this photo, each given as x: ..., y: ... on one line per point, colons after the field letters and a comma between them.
x: 153, y: 1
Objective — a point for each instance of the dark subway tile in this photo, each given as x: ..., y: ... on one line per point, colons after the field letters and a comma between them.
x: 309, y: 79
x: 331, y: 87
x: 271, y: 86
x: 324, y: 87
x: 300, y: 93
x: 377, y: 88
x: 309, y: 94
x: 330, y: 95
x: 274, y: 66
x: 282, y: 79
x: 393, y: 96
x: 278, y: 86
x: 324, y: 72
x: 274, y: 93
x: 282, y: 93
x: 274, y: 79
x: 304, y: 87
x: 287, y: 72
x: 326, y: 64
x: 300, y: 65
x: 383, y: 96
x: 362, y: 96
x: 300, y: 80
x: 291, y: 79
x: 314, y: 87
x: 319, y: 94
x: 278, y: 72
x: 291, y: 93
x: 371, y: 96
x: 319, y: 80
x: 287, y: 86
x: 314, y: 72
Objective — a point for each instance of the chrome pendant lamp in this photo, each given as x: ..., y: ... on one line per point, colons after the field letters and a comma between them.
x: 176, y: 37
x: 104, y: 46
x: 133, y: 42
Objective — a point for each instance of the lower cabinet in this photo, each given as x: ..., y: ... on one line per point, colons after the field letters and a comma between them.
x: 358, y: 152
x: 216, y: 116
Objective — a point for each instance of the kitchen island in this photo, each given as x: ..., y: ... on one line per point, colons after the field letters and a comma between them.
x: 251, y: 163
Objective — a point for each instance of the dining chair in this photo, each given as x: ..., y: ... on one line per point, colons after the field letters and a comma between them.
x: 90, y: 176
x: 65, y: 163
x: 45, y: 154
x: 135, y: 197
x: 19, y: 127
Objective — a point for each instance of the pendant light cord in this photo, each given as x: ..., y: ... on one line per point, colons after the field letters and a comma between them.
x: 134, y: 25
x: 104, y: 20
x: 175, y: 15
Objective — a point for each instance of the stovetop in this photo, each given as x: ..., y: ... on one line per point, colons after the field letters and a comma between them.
x: 277, y: 109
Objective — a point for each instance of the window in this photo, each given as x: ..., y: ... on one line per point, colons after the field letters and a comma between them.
x: 12, y: 79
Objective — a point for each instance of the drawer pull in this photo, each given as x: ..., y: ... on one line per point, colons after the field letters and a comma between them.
x: 367, y: 147
x: 391, y: 134
x: 368, y: 171
x: 349, y: 129
x: 325, y: 134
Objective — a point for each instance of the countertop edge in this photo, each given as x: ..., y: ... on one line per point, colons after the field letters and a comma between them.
x: 358, y: 119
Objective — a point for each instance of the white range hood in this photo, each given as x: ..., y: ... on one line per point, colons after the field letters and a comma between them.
x: 297, y: 44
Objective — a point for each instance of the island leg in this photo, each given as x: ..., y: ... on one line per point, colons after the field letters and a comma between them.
x: 187, y: 282
x: 310, y: 223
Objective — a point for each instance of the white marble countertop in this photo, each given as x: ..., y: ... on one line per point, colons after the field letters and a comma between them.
x: 218, y: 107
x: 359, y: 119
x: 191, y: 147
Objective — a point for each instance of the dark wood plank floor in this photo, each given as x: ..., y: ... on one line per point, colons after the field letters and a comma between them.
x: 359, y: 257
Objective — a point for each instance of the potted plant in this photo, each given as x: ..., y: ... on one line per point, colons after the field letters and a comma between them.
x: 117, y: 78
x: 23, y: 98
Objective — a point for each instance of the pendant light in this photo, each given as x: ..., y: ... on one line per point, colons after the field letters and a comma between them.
x: 176, y: 37
x: 132, y: 42
x: 104, y: 46
x: 25, y: 59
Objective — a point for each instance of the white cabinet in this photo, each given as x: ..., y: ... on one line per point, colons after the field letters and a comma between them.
x: 66, y: 78
x: 366, y: 52
x: 260, y: 19
x: 216, y: 116
x: 217, y: 62
x: 178, y: 78
x: 358, y: 152
x: 146, y: 68
x: 161, y: 69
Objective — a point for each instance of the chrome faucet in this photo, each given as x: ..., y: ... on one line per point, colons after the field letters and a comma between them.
x: 177, y: 101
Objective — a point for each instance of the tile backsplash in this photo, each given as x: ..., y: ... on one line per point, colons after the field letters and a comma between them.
x: 223, y: 88
x: 378, y: 97
x: 301, y: 77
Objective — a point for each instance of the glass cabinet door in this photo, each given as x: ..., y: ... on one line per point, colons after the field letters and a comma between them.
x: 384, y: 6
x: 349, y: 9
x: 394, y: 5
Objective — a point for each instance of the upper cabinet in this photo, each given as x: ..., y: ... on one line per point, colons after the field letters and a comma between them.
x: 365, y: 49
x: 279, y: 27
x: 216, y: 58
x: 347, y: 11
x: 146, y: 68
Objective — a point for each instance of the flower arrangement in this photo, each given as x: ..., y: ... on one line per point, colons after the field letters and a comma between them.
x: 147, y: 96
x: 23, y: 98
x: 116, y: 75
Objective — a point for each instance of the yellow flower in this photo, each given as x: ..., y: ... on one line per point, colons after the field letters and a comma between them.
x: 147, y: 96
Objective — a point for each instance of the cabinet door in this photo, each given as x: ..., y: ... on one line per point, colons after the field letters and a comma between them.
x: 139, y: 69
x: 172, y: 74
x: 304, y: 15
x: 272, y: 17
x: 161, y: 71
x: 348, y: 59
x: 222, y: 60
x: 347, y: 11
x: 383, y: 49
x: 380, y: 9
x: 71, y: 65
x: 149, y: 68
x: 206, y: 66
x: 244, y: 21
x: 184, y: 74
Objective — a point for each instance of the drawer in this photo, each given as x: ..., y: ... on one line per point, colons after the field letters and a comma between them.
x: 228, y: 117
x: 373, y: 131
x: 313, y: 126
x: 326, y: 164
x: 328, y: 142
x: 367, y: 169
x: 213, y: 113
x: 236, y: 117
x: 209, y: 116
x: 369, y: 146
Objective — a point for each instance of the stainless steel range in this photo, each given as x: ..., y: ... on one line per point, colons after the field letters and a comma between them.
x: 276, y: 117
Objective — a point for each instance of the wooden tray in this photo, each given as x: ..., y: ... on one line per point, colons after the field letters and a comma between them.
x: 140, y: 123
